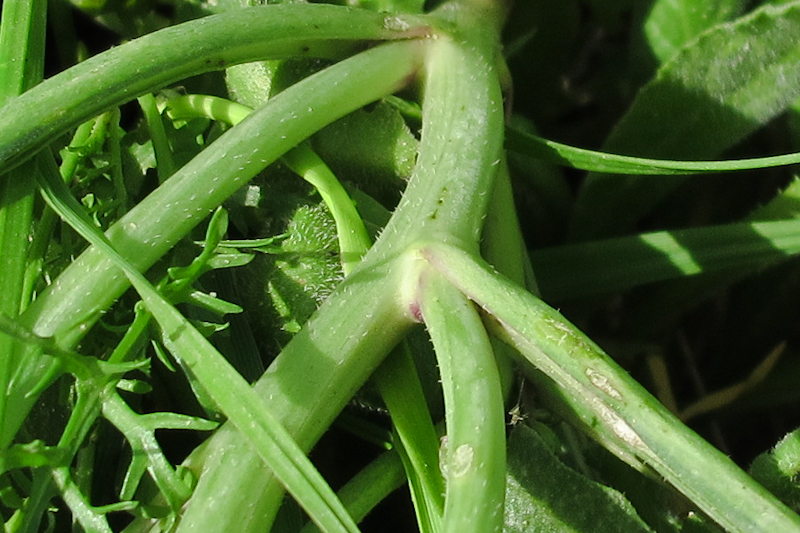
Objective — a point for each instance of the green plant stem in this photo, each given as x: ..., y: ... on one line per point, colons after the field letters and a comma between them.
x: 92, y: 283
x: 445, y: 199
x: 22, y: 35
x: 306, y: 401
x: 211, y: 43
x: 353, y: 239
x: 225, y: 386
x: 369, y: 487
x: 610, y: 404
x: 462, y: 110
x: 473, y: 456
x: 163, y: 152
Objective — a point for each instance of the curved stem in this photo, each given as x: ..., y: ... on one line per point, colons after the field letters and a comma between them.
x: 612, y: 406
x: 473, y: 459
x: 353, y: 238
x: 92, y: 283
x: 460, y: 147
x: 169, y: 55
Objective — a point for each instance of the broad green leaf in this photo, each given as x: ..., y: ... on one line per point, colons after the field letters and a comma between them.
x: 670, y: 24
x: 711, y: 95
x: 544, y: 495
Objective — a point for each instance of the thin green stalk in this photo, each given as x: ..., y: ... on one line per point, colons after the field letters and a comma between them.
x: 163, y: 152
x: 611, y: 405
x: 473, y: 458
x: 399, y: 386
x: 583, y: 159
x: 166, y: 56
x: 22, y: 35
x: 353, y: 238
x: 369, y: 487
x: 92, y: 283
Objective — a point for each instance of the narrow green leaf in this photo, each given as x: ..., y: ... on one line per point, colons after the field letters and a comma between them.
x: 22, y: 36
x: 610, y: 265
x: 596, y: 161
x: 711, y: 95
x: 401, y: 390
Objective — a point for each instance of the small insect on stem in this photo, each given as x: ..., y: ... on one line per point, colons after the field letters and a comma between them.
x: 515, y: 414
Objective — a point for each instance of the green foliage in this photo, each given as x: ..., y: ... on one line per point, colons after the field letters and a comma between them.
x: 670, y: 25
x: 543, y: 494
x: 233, y: 166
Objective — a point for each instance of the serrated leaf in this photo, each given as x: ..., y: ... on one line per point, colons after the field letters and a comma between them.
x: 711, y: 95
x: 282, y: 288
x: 544, y: 495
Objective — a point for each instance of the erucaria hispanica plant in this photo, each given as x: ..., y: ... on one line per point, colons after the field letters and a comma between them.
x: 448, y: 259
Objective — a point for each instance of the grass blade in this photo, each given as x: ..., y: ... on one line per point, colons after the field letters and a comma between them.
x: 22, y: 36
x: 618, y: 264
x: 595, y: 161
